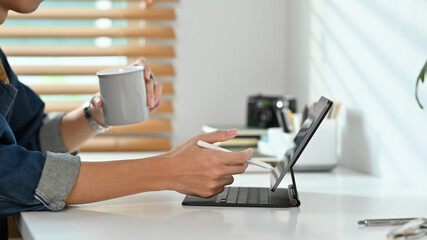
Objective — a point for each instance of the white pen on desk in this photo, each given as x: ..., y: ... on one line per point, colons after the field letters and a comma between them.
x: 258, y: 163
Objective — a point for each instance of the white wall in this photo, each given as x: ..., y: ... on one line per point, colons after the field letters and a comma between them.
x: 368, y: 54
x: 226, y: 50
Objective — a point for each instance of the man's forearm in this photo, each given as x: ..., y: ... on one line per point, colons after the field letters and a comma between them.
x: 99, y: 181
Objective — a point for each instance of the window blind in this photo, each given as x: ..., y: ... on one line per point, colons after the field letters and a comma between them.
x: 58, y: 49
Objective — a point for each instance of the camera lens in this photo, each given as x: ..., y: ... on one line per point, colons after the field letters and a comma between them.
x: 264, y: 117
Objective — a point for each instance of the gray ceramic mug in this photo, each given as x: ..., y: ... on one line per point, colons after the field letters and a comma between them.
x: 123, y: 95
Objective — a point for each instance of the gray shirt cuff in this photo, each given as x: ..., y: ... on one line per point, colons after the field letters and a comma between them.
x: 50, y: 134
x: 58, y: 178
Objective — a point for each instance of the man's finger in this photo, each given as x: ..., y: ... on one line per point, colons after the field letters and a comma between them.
x: 226, y: 180
x: 218, y: 136
x: 237, y: 158
x: 158, y: 88
x: 96, y: 101
x: 235, y: 169
x: 149, y: 86
x: 156, y: 107
x: 147, y: 71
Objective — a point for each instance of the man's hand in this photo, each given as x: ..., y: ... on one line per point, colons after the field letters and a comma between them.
x: 205, y: 172
x: 154, y: 90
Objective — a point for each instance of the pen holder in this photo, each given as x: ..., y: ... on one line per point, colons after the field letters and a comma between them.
x: 321, y: 152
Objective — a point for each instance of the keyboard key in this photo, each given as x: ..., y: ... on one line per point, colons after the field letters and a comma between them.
x: 264, y: 195
x: 232, y: 195
x: 243, y: 195
x: 253, y: 195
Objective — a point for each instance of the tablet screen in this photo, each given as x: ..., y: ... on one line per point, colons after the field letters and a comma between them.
x: 315, y: 116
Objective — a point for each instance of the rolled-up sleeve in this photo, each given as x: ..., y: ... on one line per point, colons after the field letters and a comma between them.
x: 57, y: 179
x: 50, y: 134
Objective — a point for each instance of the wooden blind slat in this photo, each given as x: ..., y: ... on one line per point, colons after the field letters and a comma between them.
x: 52, y: 51
x: 160, y: 70
x: 154, y: 1
x: 165, y: 107
x: 87, y: 32
x: 61, y: 89
x: 48, y: 89
x: 114, y: 143
x: 90, y: 13
x: 149, y: 126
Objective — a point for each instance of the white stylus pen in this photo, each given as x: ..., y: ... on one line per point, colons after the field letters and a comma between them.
x: 262, y: 164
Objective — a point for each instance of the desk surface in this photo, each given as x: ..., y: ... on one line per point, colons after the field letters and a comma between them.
x: 331, y: 205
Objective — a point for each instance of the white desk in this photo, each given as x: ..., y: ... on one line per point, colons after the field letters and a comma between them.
x: 331, y: 205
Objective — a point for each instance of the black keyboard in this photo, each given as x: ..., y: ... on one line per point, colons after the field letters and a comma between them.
x: 242, y: 195
x: 246, y: 197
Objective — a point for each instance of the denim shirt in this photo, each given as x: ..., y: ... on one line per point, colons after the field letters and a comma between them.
x: 36, y: 172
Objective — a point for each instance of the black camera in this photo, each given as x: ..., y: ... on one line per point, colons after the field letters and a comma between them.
x: 269, y: 111
x: 262, y: 111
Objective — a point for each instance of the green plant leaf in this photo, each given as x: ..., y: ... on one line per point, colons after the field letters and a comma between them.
x: 420, y: 79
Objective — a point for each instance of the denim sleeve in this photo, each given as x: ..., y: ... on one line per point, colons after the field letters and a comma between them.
x: 20, y: 171
x: 50, y: 134
x: 30, y: 180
